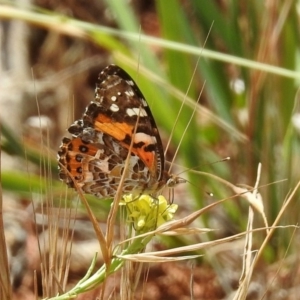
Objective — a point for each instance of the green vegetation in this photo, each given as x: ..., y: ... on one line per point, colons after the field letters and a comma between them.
x: 240, y: 61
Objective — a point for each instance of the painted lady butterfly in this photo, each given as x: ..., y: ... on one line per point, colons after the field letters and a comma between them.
x: 95, y: 155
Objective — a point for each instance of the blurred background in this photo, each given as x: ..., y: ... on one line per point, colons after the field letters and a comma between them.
x: 246, y: 83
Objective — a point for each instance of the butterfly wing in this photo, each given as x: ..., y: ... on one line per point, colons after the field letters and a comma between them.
x: 96, y: 154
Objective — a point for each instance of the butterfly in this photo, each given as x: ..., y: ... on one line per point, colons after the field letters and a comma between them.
x: 117, y: 121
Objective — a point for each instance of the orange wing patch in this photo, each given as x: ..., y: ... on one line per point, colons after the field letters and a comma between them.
x: 143, y: 144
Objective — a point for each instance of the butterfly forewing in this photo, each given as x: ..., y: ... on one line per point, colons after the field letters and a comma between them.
x: 95, y: 156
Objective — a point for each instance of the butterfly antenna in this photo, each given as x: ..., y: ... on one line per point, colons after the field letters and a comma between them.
x: 195, y: 171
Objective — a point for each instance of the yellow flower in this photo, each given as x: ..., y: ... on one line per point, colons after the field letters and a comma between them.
x: 147, y: 213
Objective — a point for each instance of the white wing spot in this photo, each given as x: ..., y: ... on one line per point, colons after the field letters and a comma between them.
x: 99, y: 153
x: 130, y: 82
x: 113, y: 98
x: 146, y: 138
x: 144, y: 102
x: 114, y: 107
x: 129, y: 93
x: 136, y: 112
x: 103, y: 165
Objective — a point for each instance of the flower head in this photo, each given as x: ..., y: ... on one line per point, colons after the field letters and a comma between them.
x: 147, y: 213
